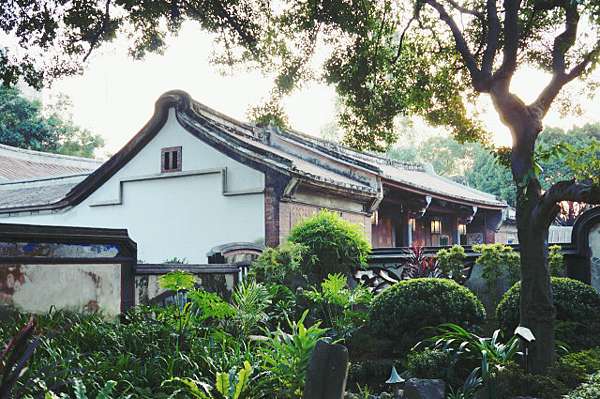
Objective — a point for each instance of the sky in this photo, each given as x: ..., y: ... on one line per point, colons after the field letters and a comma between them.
x: 115, y: 95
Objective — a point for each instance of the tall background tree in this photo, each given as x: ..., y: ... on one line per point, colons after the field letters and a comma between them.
x: 475, y: 165
x: 26, y: 123
x: 388, y: 58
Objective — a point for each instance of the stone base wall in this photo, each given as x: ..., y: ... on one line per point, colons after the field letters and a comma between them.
x: 148, y: 291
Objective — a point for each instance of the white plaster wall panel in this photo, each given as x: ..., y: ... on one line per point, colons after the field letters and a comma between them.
x: 71, y: 287
x: 196, y: 155
x: 179, y: 216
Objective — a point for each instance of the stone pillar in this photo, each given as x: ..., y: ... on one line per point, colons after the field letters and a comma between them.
x: 327, y: 372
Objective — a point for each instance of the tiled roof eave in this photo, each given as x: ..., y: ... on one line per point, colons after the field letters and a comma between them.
x: 321, y: 181
x: 416, y: 188
x: 277, y: 162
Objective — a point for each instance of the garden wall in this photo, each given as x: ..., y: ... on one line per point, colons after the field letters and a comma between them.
x: 80, y: 269
x: 584, y: 262
x: 218, y: 278
x: 582, y: 255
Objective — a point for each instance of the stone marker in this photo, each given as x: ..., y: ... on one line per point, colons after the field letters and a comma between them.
x: 327, y: 372
x: 424, y: 389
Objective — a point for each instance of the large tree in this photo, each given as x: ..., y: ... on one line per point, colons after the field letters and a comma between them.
x: 558, y: 155
x: 26, y: 123
x: 388, y: 58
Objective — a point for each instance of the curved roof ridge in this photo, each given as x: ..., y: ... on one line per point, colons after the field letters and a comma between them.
x: 329, y: 144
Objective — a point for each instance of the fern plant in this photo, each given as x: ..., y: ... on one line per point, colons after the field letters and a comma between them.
x: 492, y: 353
x: 179, y: 282
x: 285, y: 357
x: 231, y: 385
x: 341, y: 308
x: 106, y: 392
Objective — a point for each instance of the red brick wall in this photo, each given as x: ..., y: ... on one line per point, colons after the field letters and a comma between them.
x: 272, y: 226
x: 291, y: 213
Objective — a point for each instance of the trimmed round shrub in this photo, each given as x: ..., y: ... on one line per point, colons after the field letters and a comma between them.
x: 511, y: 382
x: 577, y: 316
x: 402, y: 311
x: 333, y: 245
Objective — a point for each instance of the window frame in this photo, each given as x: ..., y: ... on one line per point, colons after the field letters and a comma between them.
x: 170, y: 150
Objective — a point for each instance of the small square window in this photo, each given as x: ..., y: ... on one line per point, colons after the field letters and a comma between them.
x: 170, y: 159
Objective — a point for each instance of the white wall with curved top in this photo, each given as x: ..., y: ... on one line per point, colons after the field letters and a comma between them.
x: 177, y: 214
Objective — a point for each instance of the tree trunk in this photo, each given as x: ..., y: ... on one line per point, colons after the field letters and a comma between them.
x: 536, y: 308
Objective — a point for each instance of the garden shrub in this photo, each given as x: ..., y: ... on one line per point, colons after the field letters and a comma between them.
x: 139, y: 357
x: 452, y: 262
x: 498, y: 260
x: 556, y: 261
x: 280, y: 265
x: 577, y: 316
x: 588, y: 390
x: 588, y: 361
x: 342, y: 309
x: 371, y: 374
x: 402, y: 311
x: 333, y: 245
x: 429, y: 363
x: 511, y: 382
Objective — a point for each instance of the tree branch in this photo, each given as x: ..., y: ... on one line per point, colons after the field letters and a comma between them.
x: 511, y: 40
x: 465, y: 10
x: 492, y: 37
x: 461, y: 43
x: 541, y: 105
x: 568, y: 190
x: 566, y: 40
x: 579, y: 69
x: 401, y: 41
x: 100, y: 30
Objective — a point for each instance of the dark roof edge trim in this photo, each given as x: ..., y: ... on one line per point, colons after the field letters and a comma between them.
x: 443, y: 197
x: 67, y: 234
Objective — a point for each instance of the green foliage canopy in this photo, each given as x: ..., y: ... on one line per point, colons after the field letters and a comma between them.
x: 25, y: 123
x: 577, y: 322
x: 333, y: 245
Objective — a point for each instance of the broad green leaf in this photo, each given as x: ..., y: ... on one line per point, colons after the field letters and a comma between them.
x: 242, y: 380
x: 222, y: 384
x: 107, y: 390
x: 80, y: 390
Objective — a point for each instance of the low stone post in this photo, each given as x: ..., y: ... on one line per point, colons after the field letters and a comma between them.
x: 327, y: 372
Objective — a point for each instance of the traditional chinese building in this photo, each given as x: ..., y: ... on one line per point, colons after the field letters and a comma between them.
x: 193, y: 178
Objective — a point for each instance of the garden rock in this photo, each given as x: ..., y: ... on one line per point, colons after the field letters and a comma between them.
x: 424, y: 389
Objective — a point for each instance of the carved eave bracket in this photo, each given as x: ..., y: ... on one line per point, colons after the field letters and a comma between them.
x: 468, y: 218
x: 420, y: 212
x: 494, y: 220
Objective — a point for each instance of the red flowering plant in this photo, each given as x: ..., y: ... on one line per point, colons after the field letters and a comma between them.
x: 418, y: 264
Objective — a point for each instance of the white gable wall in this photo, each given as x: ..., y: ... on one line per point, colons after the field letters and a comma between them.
x: 182, y: 214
